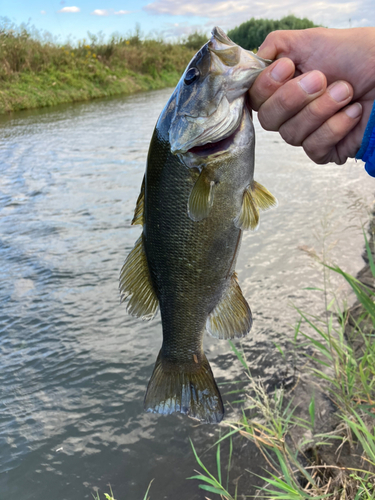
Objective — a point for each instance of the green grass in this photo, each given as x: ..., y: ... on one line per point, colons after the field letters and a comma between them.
x: 110, y: 496
x: 35, y: 72
x: 347, y: 375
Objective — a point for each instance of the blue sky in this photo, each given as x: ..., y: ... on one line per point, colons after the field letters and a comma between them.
x: 173, y: 18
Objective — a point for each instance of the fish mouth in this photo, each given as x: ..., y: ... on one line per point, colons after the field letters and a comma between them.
x: 222, y: 145
x: 211, y: 148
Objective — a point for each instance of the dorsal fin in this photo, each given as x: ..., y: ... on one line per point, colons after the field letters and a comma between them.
x: 135, y: 283
x: 231, y: 318
x: 140, y: 206
x: 201, y: 198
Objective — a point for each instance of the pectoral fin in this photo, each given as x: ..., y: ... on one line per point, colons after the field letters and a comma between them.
x: 140, y: 207
x: 201, y: 198
x: 231, y: 318
x: 249, y: 214
x: 135, y: 282
x: 263, y: 199
x: 256, y: 197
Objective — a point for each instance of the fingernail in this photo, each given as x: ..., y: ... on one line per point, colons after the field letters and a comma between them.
x: 354, y: 111
x: 282, y: 70
x: 339, y: 92
x: 312, y: 83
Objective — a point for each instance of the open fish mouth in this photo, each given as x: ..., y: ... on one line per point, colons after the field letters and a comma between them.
x: 211, y: 148
x: 239, y: 136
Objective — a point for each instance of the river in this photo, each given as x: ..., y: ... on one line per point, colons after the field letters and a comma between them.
x: 74, y: 366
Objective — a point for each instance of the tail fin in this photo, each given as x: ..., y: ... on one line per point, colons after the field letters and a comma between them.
x: 194, y: 393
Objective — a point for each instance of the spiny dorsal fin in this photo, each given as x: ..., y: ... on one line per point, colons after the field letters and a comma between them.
x: 263, y: 199
x: 249, y: 215
x: 201, y: 198
x: 135, y: 282
x: 140, y: 206
x: 231, y: 318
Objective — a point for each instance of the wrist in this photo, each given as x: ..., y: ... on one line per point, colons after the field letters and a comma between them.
x: 366, y: 152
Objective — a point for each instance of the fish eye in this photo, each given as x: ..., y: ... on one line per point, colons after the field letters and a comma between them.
x: 191, y: 76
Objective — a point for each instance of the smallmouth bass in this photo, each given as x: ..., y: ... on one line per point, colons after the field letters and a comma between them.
x: 197, y: 196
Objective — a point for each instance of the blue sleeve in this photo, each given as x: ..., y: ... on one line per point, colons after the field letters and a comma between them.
x: 367, y: 150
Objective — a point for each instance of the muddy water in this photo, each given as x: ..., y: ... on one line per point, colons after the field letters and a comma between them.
x: 73, y: 365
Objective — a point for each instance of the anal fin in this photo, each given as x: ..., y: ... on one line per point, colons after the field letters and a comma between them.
x: 231, y: 318
x: 135, y: 284
x: 201, y: 198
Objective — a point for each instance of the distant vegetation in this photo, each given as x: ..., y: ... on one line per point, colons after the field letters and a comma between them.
x: 37, y: 71
x: 251, y: 34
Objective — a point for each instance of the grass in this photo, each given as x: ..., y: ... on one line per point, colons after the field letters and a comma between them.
x: 110, y: 496
x: 37, y: 72
x: 347, y: 375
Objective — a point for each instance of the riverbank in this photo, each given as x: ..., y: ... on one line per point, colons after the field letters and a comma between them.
x: 327, y: 447
x: 36, y: 73
x: 29, y: 91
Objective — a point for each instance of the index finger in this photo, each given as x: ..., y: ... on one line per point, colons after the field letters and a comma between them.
x: 283, y: 43
x: 270, y: 80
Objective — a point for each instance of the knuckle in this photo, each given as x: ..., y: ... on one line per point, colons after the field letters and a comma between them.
x: 289, y: 134
x: 265, y: 121
x: 289, y: 98
x: 315, y: 152
x: 311, y: 150
x: 315, y: 112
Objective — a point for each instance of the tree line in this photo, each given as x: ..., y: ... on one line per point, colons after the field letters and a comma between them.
x: 252, y: 33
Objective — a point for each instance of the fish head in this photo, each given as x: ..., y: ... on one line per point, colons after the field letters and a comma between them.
x: 210, y: 96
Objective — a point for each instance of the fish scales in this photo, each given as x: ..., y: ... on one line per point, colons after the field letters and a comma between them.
x: 190, y: 262
x: 197, y: 197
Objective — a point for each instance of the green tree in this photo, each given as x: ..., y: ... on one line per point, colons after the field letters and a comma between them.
x: 252, y: 33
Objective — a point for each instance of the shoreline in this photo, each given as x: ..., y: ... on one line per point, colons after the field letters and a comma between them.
x: 33, y: 92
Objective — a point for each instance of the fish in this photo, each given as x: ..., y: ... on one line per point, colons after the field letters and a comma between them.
x: 197, y: 197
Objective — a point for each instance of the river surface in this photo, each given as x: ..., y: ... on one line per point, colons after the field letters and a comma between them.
x: 74, y: 366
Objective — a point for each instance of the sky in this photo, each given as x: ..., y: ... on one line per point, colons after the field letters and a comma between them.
x: 73, y: 19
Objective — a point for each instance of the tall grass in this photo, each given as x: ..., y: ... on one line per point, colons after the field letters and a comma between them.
x: 347, y: 375
x: 36, y: 71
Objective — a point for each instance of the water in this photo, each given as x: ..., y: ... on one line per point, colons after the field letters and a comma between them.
x: 74, y: 365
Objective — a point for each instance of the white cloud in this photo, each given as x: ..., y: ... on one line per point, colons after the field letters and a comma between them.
x: 230, y: 13
x: 43, y: 12
x: 70, y: 9
x: 100, y: 12
x: 178, y: 30
x: 109, y: 12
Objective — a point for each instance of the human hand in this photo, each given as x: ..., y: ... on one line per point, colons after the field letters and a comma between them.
x: 303, y: 109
